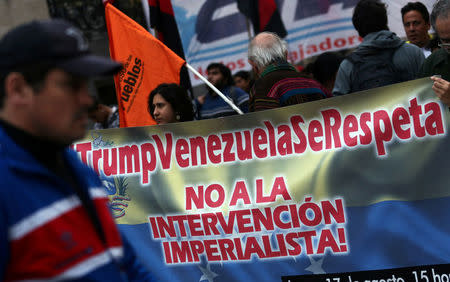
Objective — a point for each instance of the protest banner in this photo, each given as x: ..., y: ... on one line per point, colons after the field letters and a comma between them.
x: 356, y: 184
x: 215, y: 30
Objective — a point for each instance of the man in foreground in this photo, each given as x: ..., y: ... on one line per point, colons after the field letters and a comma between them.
x: 55, y: 223
x: 438, y: 63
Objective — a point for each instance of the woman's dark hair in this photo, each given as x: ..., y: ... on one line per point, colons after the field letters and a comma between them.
x: 369, y: 16
x: 177, y: 97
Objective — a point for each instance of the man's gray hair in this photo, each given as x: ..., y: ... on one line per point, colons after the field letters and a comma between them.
x: 267, y: 48
x: 440, y: 9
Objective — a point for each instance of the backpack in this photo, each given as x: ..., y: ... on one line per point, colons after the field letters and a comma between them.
x: 233, y: 95
x: 373, y: 69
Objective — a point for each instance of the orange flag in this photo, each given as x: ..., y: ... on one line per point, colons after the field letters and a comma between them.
x: 146, y: 63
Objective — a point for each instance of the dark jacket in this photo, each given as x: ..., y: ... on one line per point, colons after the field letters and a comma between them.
x: 281, y: 85
x: 437, y: 63
x: 46, y: 234
x: 407, y: 59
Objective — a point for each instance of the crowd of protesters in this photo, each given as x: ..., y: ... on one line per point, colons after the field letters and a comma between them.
x: 381, y: 59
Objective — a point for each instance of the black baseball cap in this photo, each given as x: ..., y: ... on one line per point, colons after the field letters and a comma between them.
x: 55, y: 42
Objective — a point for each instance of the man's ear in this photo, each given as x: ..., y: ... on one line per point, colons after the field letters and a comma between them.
x: 17, y: 90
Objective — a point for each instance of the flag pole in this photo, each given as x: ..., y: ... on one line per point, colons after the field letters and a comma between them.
x: 146, y: 10
x: 225, y: 98
x: 248, y: 29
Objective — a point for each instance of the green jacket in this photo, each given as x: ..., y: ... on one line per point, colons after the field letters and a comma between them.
x: 437, y: 63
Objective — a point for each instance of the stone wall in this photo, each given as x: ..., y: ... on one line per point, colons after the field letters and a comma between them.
x: 15, y: 12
